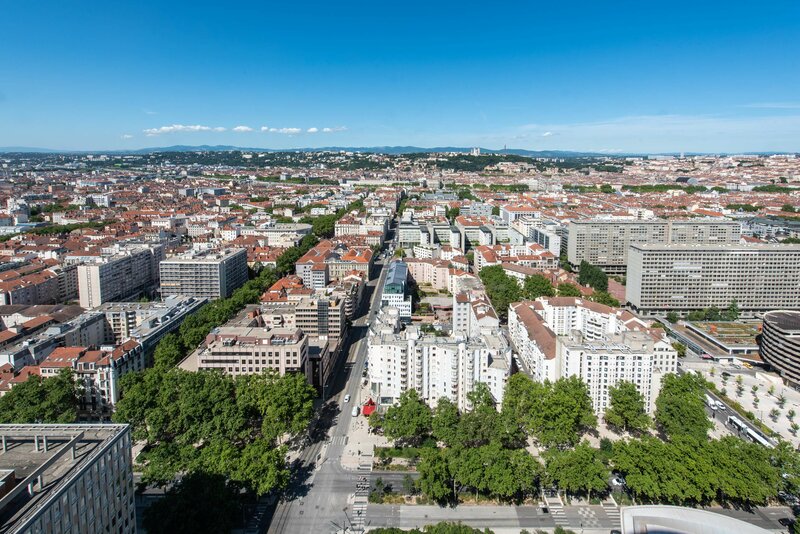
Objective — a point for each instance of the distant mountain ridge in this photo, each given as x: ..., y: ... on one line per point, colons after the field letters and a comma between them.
x: 389, y: 150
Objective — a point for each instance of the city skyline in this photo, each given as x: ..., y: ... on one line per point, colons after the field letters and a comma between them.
x: 688, y: 78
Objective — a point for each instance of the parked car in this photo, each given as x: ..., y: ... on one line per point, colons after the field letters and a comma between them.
x: 617, y: 481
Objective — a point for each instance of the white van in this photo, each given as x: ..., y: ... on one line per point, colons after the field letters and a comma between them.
x: 354, y: 413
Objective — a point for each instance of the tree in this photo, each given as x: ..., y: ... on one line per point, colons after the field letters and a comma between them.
x: 577, y: 471
x: 566, y: 412
x: 445, y: 421
x: 435, y: 479
x: 680, y: 348
x: 679, y: 407
x: 409, y: 485
x: 672, y: 317
x: 169, y: 351
x: 731, y: 313
x: 590, y: 275
x: 409, y: 421
x: 286, y: 403
x: 565, y: 289
x: 199, y: 502
x: 480, y: 425
x: 626, y: 409
x: 42, y: 400
x: 501, y: 289
x: 686, y: 470
x: 536, y: 286
x: 603, y: 297
x: 606, y: 188
x: 774, y: 414
x: 790, y: 414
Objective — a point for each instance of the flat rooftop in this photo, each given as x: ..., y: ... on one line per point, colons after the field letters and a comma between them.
x: 31, y: 451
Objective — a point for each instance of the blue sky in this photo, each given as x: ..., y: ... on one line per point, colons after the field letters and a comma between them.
x: 601, y: 76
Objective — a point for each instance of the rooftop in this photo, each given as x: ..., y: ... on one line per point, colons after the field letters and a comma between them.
x: 57, y: 453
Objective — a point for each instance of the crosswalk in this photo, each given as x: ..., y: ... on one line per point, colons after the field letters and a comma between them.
x: 556, y: 511
x: 612, y: 511
x: 339, y: 440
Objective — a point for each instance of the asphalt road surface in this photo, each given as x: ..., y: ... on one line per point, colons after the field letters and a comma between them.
x: 319, y: 494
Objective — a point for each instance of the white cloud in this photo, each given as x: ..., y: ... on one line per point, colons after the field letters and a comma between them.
x: 265, y: 128
x: 312, y: 130
x: 126, y: 136
x: 219, y: 129
x: 547, y: 134
x: 242, y: 129
x: 149, y: 112
x: 335, y: 129
x: 179, y: 128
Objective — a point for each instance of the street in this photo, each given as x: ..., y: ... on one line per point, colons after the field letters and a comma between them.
x: 320, y: 495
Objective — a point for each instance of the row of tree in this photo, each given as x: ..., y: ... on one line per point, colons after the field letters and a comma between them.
x: 556, y: 414
x: 503, y: 289
x: 222, y: 438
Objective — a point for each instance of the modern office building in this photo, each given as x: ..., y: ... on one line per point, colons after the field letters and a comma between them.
x: 681, y: 277
x: 210, y: 274
x: 66, y: 479
x: 127, y: 273
x: 147, y: 322
x: 780, y: 344
x: 605, y: 242
x: 435, y: 366
x: 560, y: 337
x: 394, y: 291
x: 252, y: 350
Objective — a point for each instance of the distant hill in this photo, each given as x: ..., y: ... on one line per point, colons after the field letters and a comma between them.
x: 393, y: 150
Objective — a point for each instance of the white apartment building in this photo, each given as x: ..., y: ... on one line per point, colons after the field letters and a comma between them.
x: 563, y: 336
x: 605, y: 242
x: 762, y: 277
x: 126, y: 272
x: 208, y: 274
x: 433, y: 365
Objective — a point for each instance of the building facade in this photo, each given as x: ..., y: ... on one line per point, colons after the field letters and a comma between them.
x: 209, y: 274
x: 561, y: 337
x: 780, y: 344
x: 681, y: 278
x: 80, y: 477
x: 128, y: 273
x: 435, y: 366
x: 604, y: 242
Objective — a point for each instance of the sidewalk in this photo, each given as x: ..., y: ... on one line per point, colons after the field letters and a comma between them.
x: 360, y: 446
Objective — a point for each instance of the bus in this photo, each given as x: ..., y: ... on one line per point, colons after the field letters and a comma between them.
x: 758, y: 438
x: 736, y: 423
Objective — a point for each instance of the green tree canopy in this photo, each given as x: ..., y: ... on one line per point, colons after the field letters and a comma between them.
x: 680, y: 408
x: 42, y: 400
x: 537, y: 286
x: 577, y: 471
x: 565, y: 289
x: 626, y: 408
x: 445, y: 422
x: 410, y: 420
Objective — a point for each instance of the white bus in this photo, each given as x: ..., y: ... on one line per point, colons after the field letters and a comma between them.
x: 758, y: 438
x: 736, y: 423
